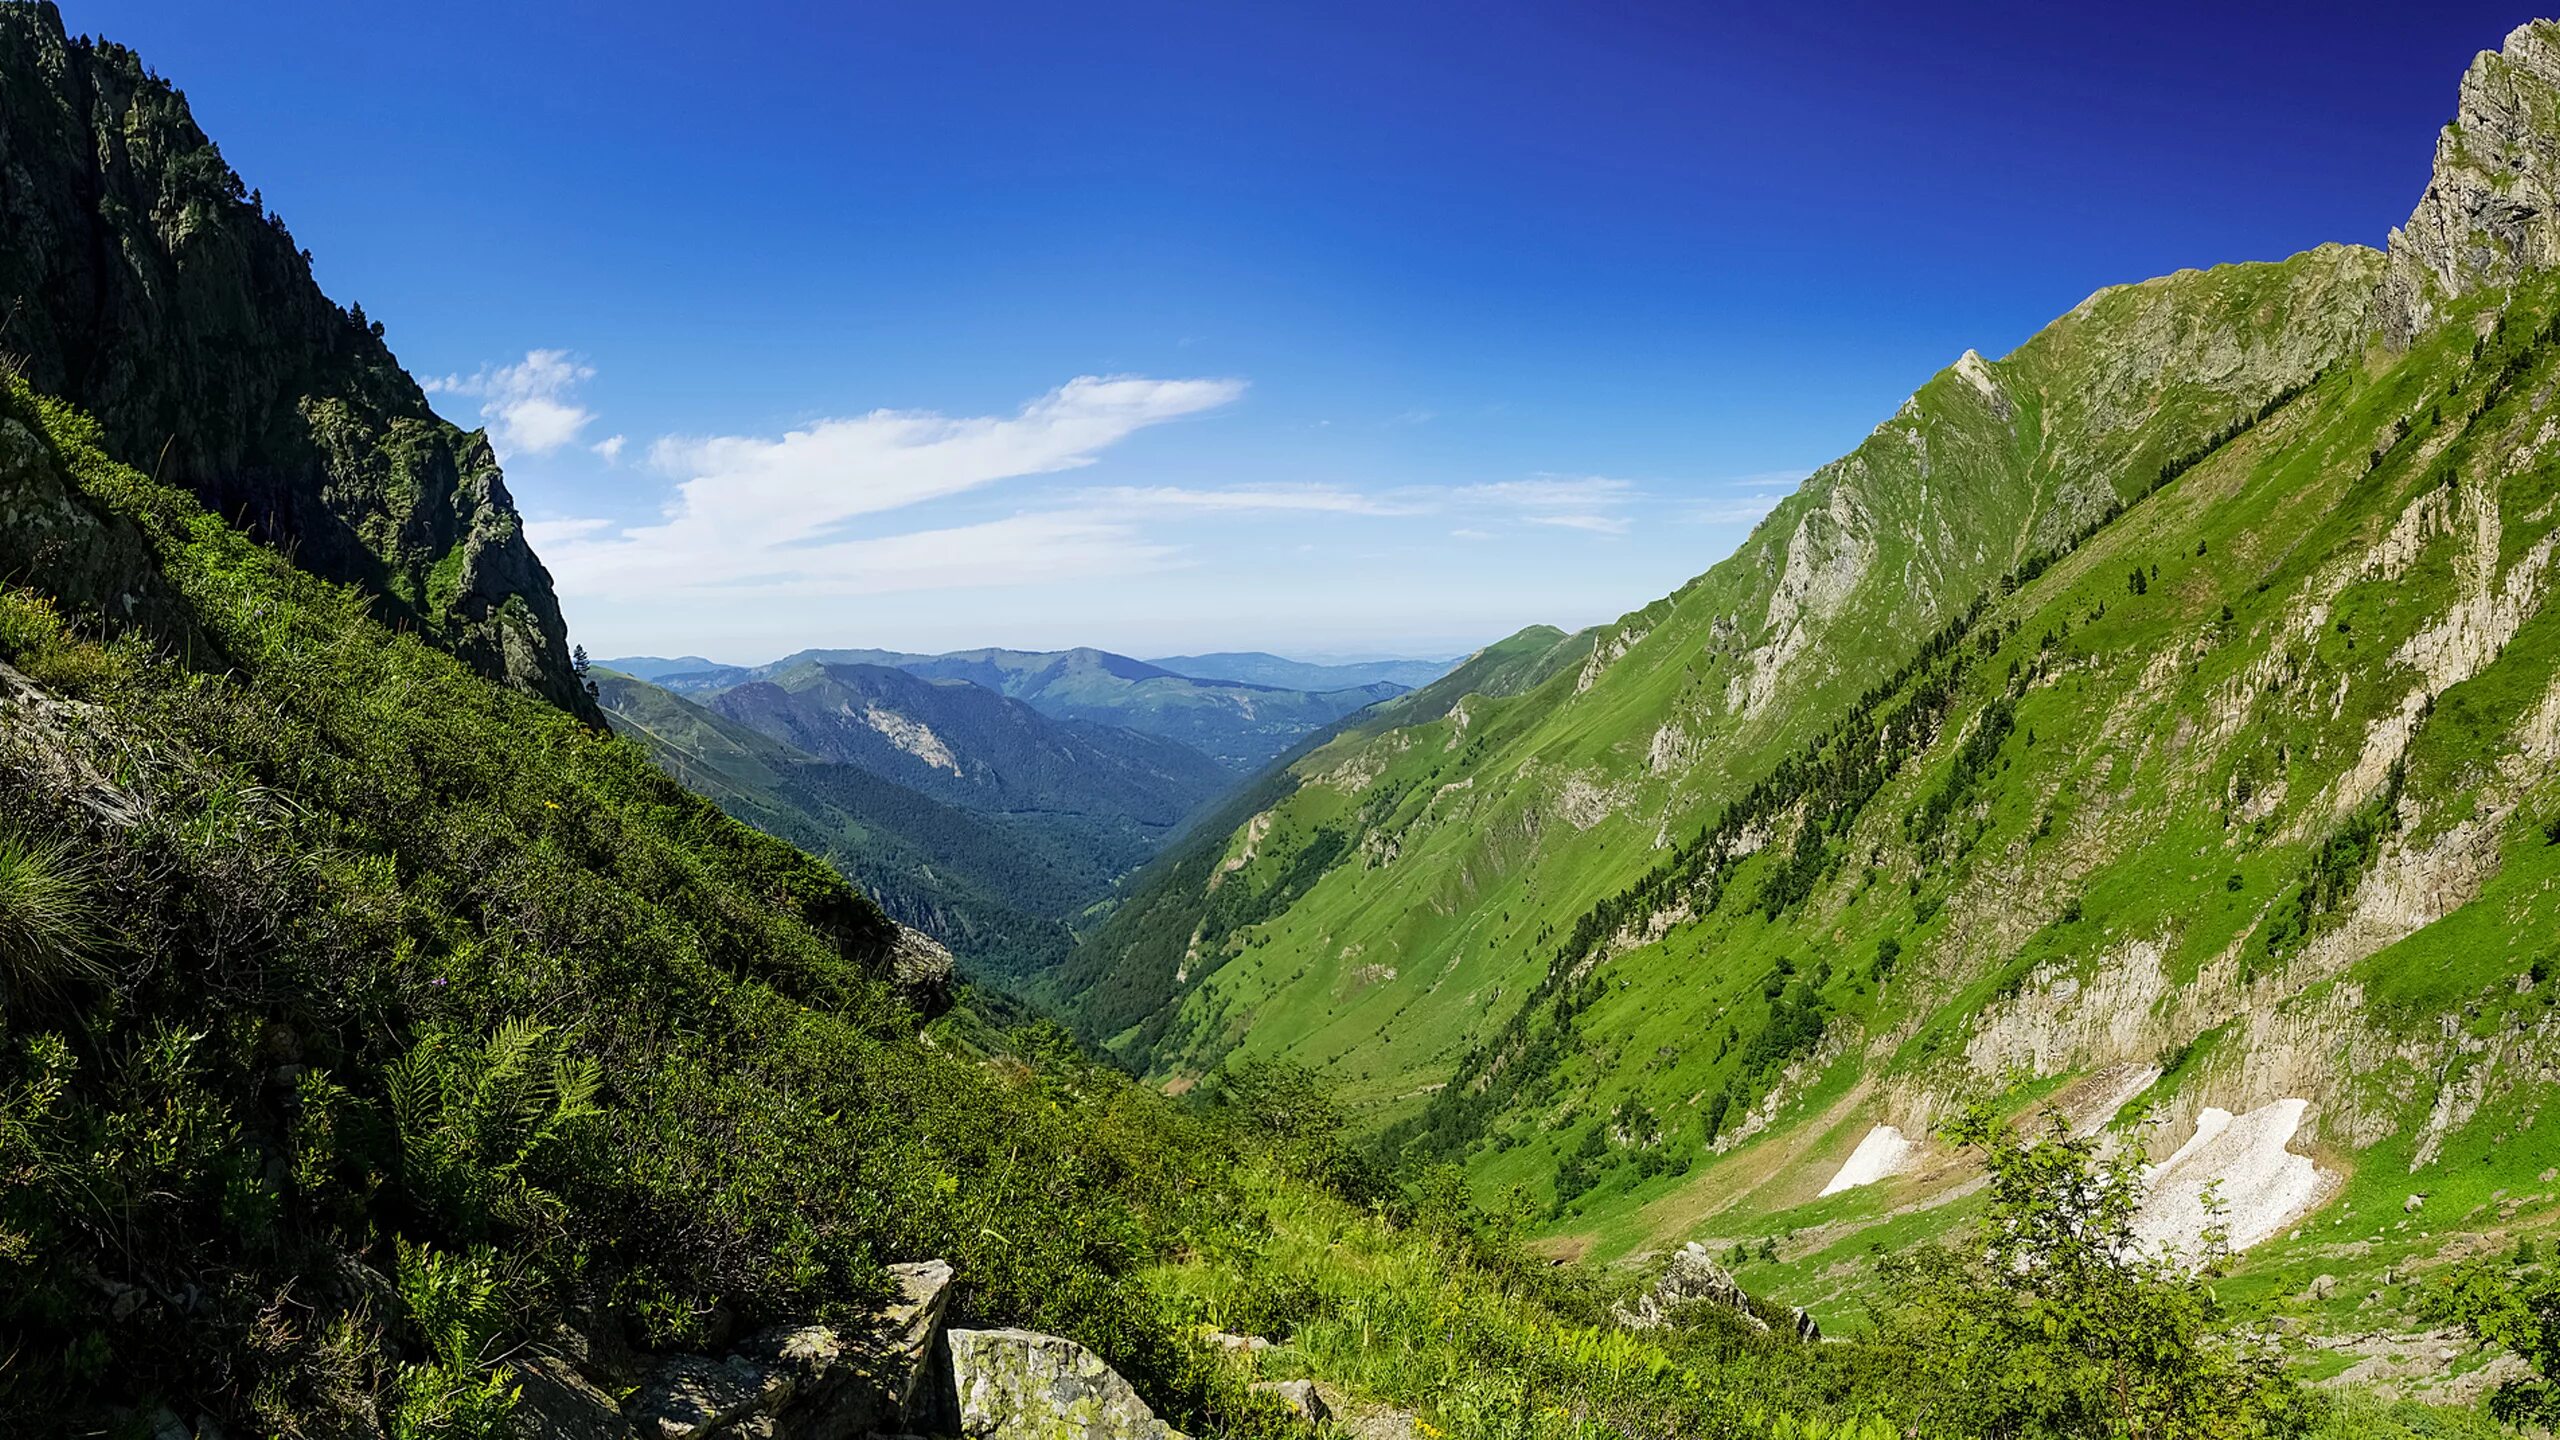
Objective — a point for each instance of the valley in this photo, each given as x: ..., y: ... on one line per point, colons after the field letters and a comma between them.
x: 2055, y: 936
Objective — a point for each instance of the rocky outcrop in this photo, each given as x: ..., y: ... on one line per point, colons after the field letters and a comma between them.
x: 1019, y: 1385
x: 2492, y: 207
x: 921, y: 967
x: 1693, y: 1278
x: 142, y: 281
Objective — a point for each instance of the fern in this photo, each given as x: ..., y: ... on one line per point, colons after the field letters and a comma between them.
x: 476, y: 1117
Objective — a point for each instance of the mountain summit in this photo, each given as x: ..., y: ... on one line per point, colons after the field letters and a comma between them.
x: 2491, y: 212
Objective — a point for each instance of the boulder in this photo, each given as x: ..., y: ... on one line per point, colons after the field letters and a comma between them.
x: 1018, y: 1385
x: 555, y: 1402
x: 691, y: 1396
x: 1300, y: 1396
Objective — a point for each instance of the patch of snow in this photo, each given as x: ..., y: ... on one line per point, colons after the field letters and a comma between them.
x: 1884, y: 1152
x: 2262, y: 1185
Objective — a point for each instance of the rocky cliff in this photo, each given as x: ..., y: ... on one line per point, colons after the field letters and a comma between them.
x: 141, y: 280
x: 2491, y: 212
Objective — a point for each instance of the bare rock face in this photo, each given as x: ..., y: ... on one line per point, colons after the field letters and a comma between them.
x: 1018, y: 1385
x: 2492, y: 209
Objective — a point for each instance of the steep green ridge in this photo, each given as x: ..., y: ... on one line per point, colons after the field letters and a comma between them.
x: 2173, y: 695
x: 1462, y: 848
x: 145, y: 282
x: 1243, y: 726
x: 1122, y: 791
x: 998, y: 890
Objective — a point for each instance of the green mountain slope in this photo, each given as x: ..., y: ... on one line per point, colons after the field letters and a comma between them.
x: 145, y: 282
x: 1538, y: 806
x: 998, y: 890
x: 1242, y: 725
x: 2158, y: 717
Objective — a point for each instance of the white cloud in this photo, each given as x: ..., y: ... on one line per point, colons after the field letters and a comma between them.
x: 1596, y: 524
x: 542, y: 533
x: 1470, y: 533
x: 1552, y: 492
x: 610, y: 447
x: 529, y: 405
x: 770, y: 515
x: 1332, y: 499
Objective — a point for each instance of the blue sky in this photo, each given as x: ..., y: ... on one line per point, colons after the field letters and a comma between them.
x: 1318, y: 328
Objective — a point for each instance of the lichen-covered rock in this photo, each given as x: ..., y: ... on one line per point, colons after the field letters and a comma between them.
x: 694, y: 1395
x: 1018, y: 1385
x: 146, y: 284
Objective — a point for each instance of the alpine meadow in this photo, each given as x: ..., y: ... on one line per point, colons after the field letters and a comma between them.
x: 2054, y: 936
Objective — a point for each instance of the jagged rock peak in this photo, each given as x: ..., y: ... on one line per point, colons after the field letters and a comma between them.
x: 2492, y: 208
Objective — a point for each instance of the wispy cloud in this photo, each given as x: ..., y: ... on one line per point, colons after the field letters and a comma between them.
x: 1551, y: 492
x: 1328, y: 499
x: 1575, y: 520
x: 610, y: 447
x: 773, y: 514
x: 530, y: 406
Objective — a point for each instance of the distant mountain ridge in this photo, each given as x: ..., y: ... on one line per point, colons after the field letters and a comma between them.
x: 996, y: 888
x: 1260, y: 667
x: 966, y: 745
x: 1243, y: 725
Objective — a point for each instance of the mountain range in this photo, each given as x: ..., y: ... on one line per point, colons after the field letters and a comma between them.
x: 1241, y: 724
